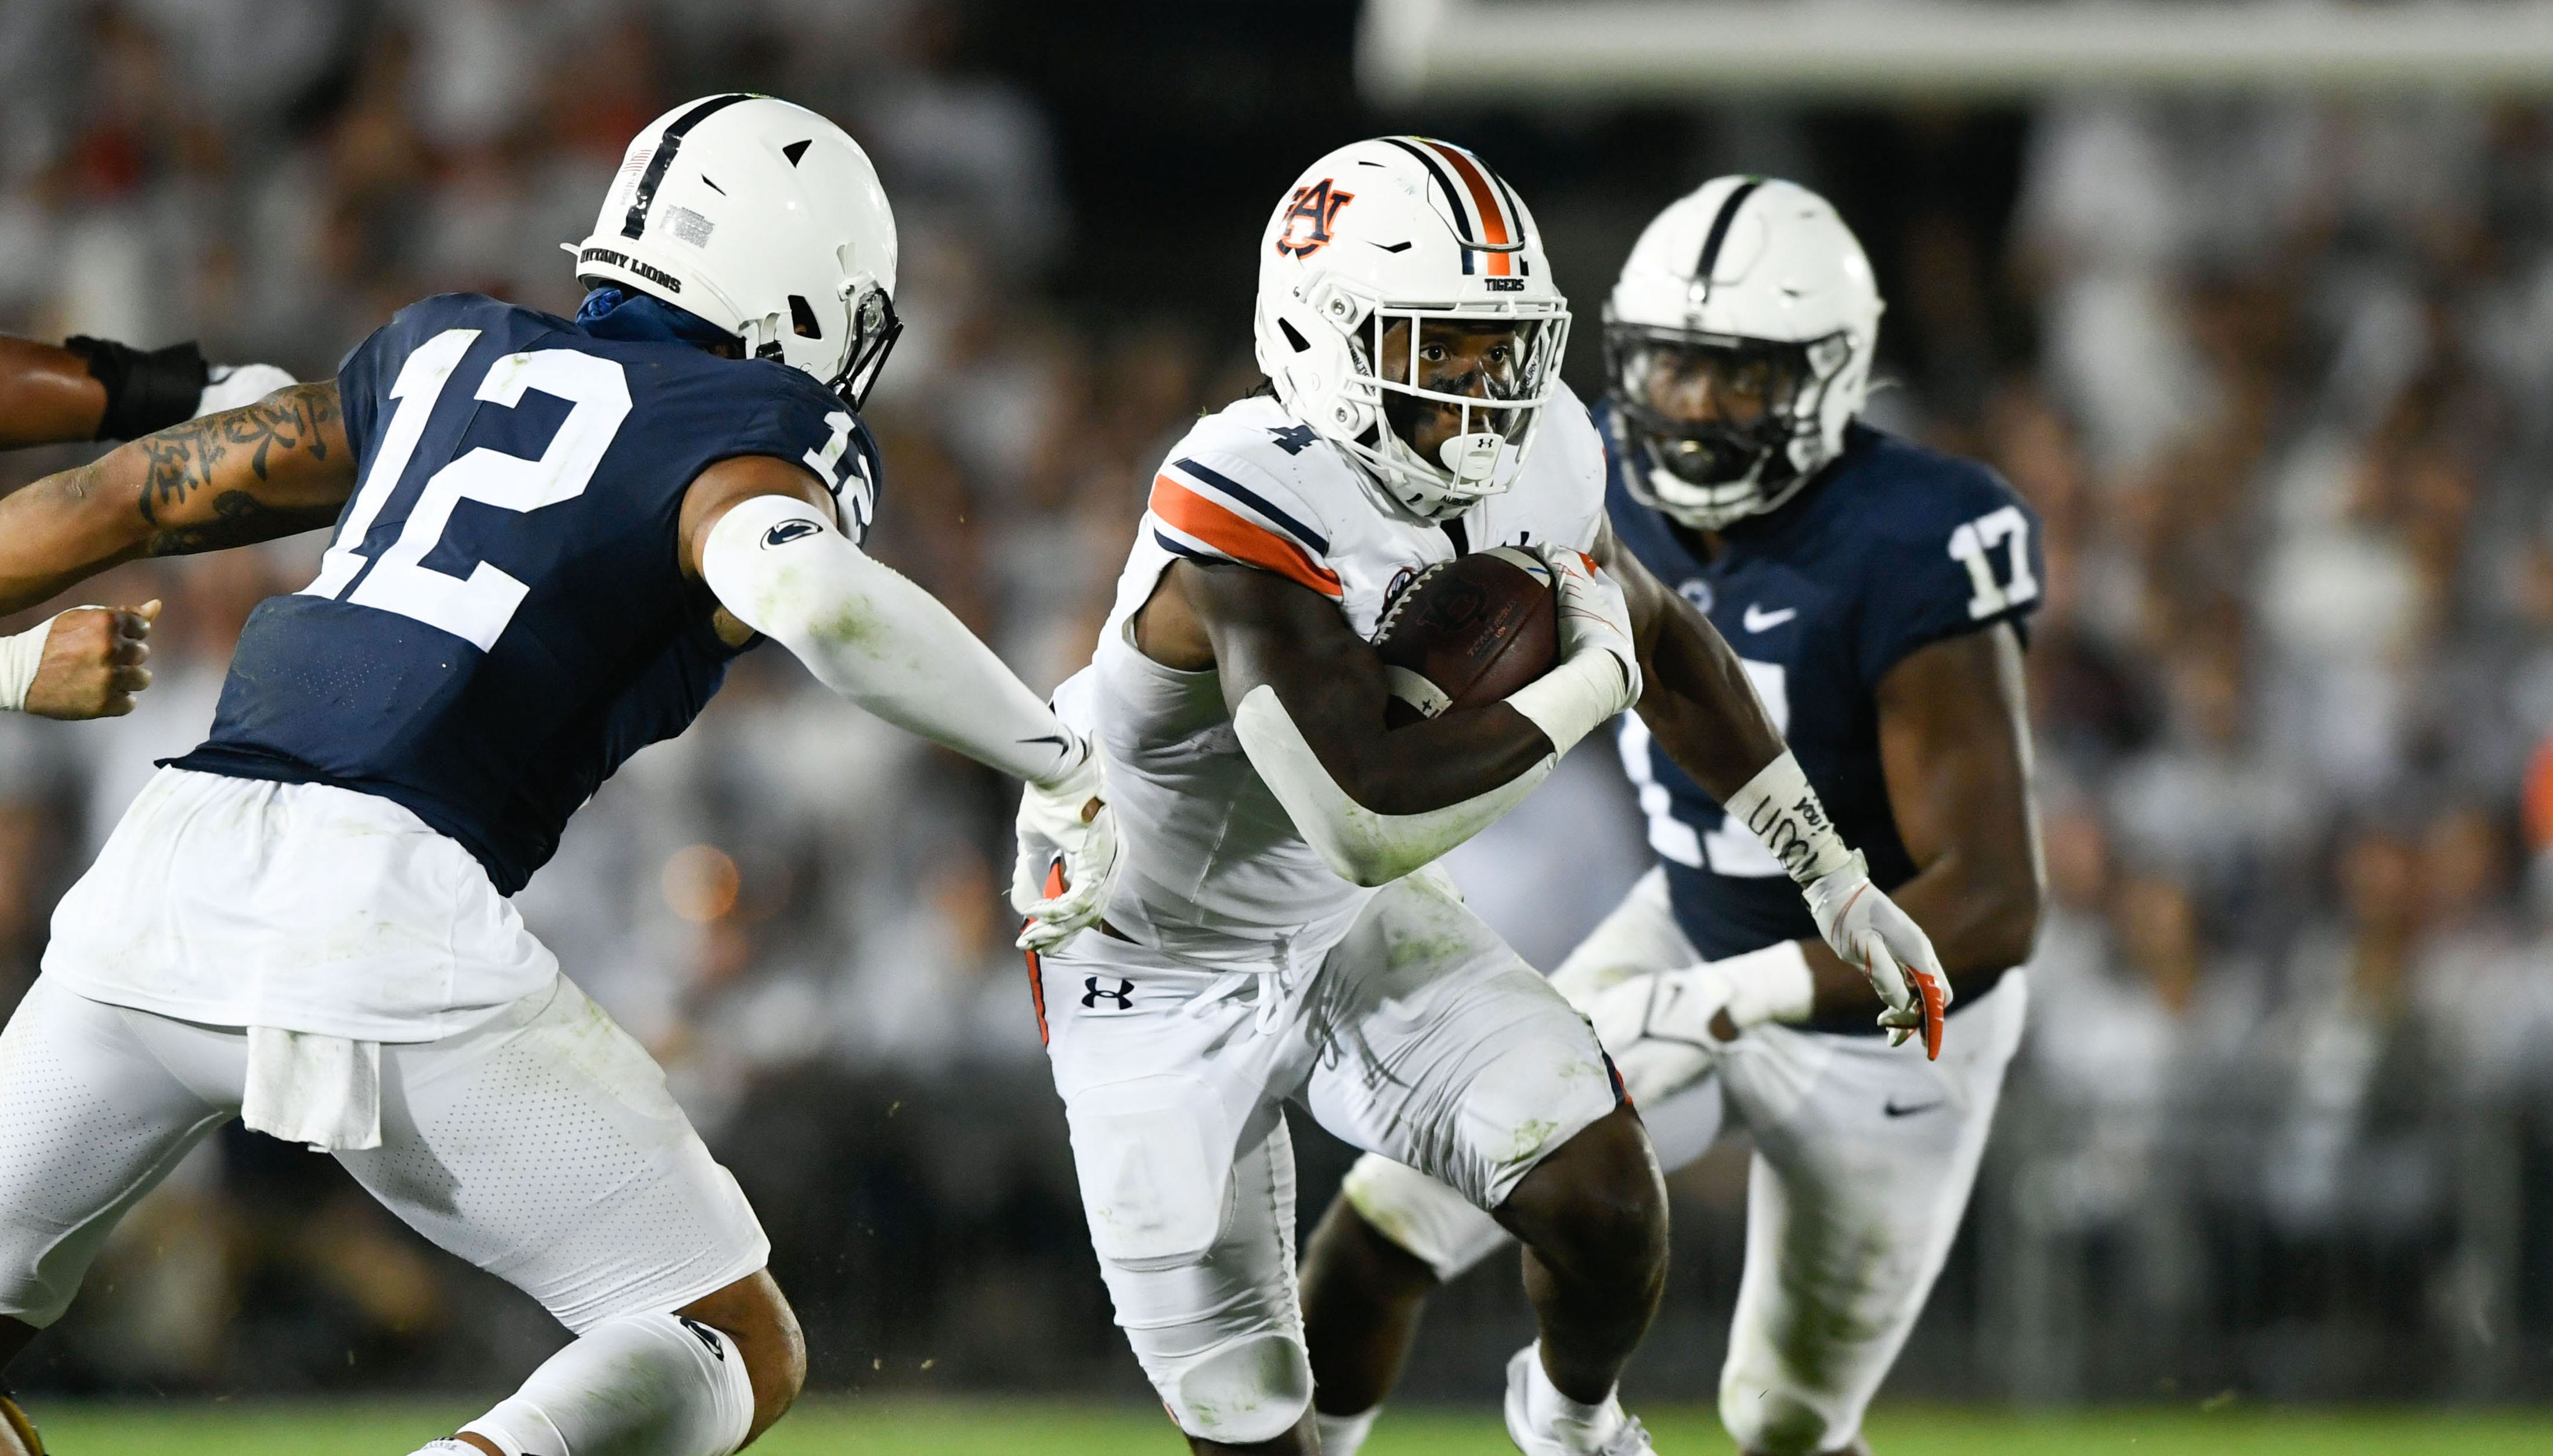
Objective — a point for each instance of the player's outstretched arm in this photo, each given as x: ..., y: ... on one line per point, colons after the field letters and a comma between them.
x: 1308, y: 698
x: 1706, y: 715
x: 761, y: 531
x: 272, y: 468
x: 100, y: 389
x: 47, y: 397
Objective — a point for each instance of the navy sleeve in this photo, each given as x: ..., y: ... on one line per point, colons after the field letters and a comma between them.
x: 800, y: 421
x: 1956, y: 551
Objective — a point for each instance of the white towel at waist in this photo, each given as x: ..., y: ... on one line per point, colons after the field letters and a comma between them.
x: 324, y: 1093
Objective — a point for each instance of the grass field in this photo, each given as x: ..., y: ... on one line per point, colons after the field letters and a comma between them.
x: 871, y: 1428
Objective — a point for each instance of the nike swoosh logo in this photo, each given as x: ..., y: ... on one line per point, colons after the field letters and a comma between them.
x: 1892, y: 1109
x: 1758, y: 620
x: 1055, y: 738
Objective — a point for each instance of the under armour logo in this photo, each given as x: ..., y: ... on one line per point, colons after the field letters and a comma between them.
x: 1124, y: 995
x: 1294, y: 440
x: 704, y: 1335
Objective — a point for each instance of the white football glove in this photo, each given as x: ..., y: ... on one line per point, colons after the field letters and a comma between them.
x: 1885, y: 943
x: 231, y: 386
x: 1657, y: 1026
x: 1594, y: 617
x: 1069, y: 854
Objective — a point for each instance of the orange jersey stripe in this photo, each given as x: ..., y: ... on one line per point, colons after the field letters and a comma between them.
x: 1493, y: 220
x: 1240, y: 539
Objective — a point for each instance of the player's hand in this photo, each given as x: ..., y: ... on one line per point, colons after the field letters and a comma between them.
x: 1656, y: 1025
x: 1069, y: 854
x: 1885, y: 943
x: 93, y: 662
x: 232, y: 386
x: 1594, y: 617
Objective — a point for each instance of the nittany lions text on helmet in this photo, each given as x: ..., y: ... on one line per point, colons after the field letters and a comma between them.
x: 764, y: 219
x: 1737, y: 346
x: 1373, y: 242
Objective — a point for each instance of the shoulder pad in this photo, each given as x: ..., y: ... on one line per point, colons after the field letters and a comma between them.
x: 1250, y: 484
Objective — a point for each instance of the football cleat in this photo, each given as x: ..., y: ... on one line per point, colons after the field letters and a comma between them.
x: 1610, y: 1432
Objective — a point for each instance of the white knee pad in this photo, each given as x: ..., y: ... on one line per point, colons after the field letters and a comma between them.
x: 640, y: 1385
x: 1252, y: 1389
x: 1420, y: 1214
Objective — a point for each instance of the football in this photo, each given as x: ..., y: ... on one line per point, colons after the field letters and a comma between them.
x: 1467, y: 633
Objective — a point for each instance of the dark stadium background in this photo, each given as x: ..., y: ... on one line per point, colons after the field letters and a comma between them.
x: 2133, y: 1236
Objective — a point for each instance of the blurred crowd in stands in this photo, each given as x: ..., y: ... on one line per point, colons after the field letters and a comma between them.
x: 2276, y: 374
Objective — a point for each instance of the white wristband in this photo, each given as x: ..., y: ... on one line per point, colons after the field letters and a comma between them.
x: 20, y: 656
x: 1771, y: 984
x: 1780, y: 809
x: 1572, y: 699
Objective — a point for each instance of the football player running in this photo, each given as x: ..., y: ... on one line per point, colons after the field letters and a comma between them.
x: 90, y: 661
x: 551, y: 537
x: 1279, y: 932
x: 1877, y: 592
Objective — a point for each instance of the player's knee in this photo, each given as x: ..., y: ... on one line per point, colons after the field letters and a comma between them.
x: 1255, y: 1387
x: 754, y: 1316
x: 1598, y: 1201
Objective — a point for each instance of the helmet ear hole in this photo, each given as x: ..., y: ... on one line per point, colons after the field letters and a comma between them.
x: 802, y: 318
x: 1293, y: 336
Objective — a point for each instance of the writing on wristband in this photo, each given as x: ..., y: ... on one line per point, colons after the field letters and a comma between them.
x: 1785, y: 815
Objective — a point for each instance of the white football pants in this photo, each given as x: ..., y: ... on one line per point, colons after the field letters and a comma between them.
x: 540, y: 1146
x: 1421, y: 1035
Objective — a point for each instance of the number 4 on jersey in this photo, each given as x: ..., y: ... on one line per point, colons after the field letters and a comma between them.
x: 1969, y: 545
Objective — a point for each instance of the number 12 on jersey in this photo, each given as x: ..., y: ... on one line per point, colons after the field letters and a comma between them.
x: 478, y: 606
x: 1969, y: 545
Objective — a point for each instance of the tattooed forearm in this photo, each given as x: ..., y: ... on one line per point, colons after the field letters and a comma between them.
x: 183, y: 459
x: 239, y: 519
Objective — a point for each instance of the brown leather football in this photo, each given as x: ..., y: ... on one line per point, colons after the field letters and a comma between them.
x: 1467, y: 633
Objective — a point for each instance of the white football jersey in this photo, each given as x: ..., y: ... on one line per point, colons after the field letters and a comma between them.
x: 1216, y: 873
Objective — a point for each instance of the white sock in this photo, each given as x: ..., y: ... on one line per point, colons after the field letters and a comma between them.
x: 1343, y: 1435
x: 447, y: 1446
x: 1551, y: 1412
x: 641, y: 1384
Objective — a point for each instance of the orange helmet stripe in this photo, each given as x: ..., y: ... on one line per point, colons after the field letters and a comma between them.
x: 1484, y: 201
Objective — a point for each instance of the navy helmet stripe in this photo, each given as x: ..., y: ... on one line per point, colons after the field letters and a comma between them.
x: 666, y: 146
x: 1175, y: 549
x: 1718, y: 237
x: 1257, y: 503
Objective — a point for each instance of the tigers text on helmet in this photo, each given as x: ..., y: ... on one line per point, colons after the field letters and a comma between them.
x: 764, y: 219
x: 1737, y: 346
x: 1381, y: 252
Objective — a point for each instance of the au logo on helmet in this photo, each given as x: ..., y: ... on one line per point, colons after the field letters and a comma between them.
x: 1307, y: 221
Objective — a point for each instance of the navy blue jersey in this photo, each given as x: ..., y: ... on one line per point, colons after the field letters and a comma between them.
x: 501, y: 619
x: 1891, y: 548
